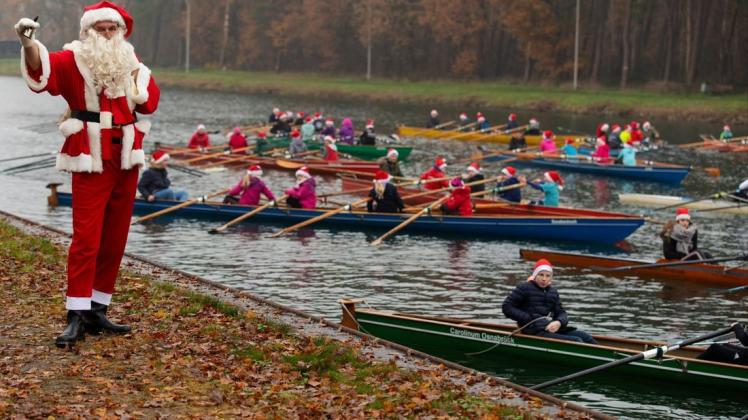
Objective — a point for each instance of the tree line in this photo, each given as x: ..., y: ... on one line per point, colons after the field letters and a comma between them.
x: 621, y: 42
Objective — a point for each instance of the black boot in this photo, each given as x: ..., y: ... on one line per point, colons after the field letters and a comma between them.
x: 73, y: 332
x: 96, y: 321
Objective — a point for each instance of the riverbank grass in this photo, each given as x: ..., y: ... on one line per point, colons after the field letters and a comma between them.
x: 191, y: 355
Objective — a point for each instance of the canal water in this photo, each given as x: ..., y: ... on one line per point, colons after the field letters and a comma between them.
x: 454, y: 276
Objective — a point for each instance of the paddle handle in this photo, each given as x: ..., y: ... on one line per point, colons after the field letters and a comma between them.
x: 248, y: 215
x: 655, y: 352
x: 177, y: 207
x: 318, y: 218
x: 408, y: 221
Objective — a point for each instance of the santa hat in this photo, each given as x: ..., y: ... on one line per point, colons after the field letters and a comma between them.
x: 481, y: 118
x: 159, y: 156
x: 276, y: 111
x: 300, y: 114
x: 434, y: 113
x: 255, y: 171
x: 627, y: 145
x: 600, y: 141
x: 330, y: 139
x: 200, y: 127
x: 553, y: 176
x: 474, y: 167
x: 105, y: 11
x: 329, y: 122
x: 295, y: 133
x: 646, y: 125
x: 533, y: 121
x: 440, y: 163
x: 616, y: 128
x: 682, y: 214
x: 547, y: 134
x: 370, y: 124
x: 282, y: 116
x: 317, y: 115
x: 392, y: 152
x: 605, y: 127
x: 308, y: 119
x: 512, y: 117
x: 261, y: 135
x: 237, y: 130
x: 540, y: 266
x: 381, y: 176
x: 726, y: 128
x: 456, y: 182
x: 509, y: 171
x: 634, y: 125
x: 463, y: 116
x: 569, y: 140
x: 303, y: 171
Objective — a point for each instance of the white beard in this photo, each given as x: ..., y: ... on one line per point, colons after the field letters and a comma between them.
x: 111, y: 62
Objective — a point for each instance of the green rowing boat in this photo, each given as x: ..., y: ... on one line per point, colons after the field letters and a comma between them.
x: 488, y: 344
x: 357, y: 150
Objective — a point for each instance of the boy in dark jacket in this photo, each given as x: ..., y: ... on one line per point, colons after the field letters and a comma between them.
x: 536, y: 306
x: 384, y: 196
x: 729, y: 353
x: 154, y: 182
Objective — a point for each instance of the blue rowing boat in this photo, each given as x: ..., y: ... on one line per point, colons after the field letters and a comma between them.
x: 657, y: 172
x: 588, y: 229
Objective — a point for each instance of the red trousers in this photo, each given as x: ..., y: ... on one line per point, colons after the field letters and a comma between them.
x: 102, y: 208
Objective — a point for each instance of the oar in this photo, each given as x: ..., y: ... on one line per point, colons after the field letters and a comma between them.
x: 27, y: 156
x: 320, y: 217
x: 26, y: 165
x: 731, y: 290
x: 734, y: 206
x: 177, y: 207
x: 214, y: 155
x: 179, y: 150
x: 446, y: 124
x: 657, y: 352
x: 460, y: 135
x: 235, y: 159
x: 670, y: 264
x: 709, y: 197
x: 440, y: 190
x: 409, y: 220
x: 32, y: 168
x: 500, y: 190
x: 188, y: 171
x: 247, y: 215
x: 736, y: 198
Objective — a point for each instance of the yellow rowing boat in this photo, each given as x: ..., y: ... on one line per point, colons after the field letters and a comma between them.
x: 496, y: 137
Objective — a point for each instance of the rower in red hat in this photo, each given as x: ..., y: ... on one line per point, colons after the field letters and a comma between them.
x: 384, y: 196
x: 680, y: 238
x: 250, y: 188
x: 436, y: 171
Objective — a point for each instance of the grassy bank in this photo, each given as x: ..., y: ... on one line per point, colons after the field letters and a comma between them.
x: 501, y: 94
x: 190, y: 355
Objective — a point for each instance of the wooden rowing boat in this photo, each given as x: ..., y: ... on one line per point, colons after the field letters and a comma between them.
x: 407, y: 131
x: 713, y: 205
x: 600, y: 230
x: 704, y: 273
x: 491, y: 345
x: 655, y: 172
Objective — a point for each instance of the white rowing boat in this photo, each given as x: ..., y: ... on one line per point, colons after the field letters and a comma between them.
x: 714, y: 206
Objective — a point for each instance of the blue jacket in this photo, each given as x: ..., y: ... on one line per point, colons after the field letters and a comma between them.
x: 628, y: 156
x: 529, y: 301
x: 514, y: 195
x: 551, y: 191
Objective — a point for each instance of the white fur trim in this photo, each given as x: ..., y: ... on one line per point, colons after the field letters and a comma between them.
x: 137, y: 157
x: 743, y: 185
x: 547, y: 176
x: 128, y: 139
x: 91, y: 17
x: 305, y: 174
x: 101, y: 297
x: 94, y: 143
x: 506, y: 172
x: 80, y: 163
x: 90, y: 94
x: 393, y: 152
x: 144, y: 126
x: 46, y: 69
x: 70, y: 126
x: 683, y: 217
x: 105, y: 119
x: 77, y: 303
x: 540, y: 269
x: 141, y: 85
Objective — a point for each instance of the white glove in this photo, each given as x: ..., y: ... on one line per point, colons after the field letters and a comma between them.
x: 21, y: 27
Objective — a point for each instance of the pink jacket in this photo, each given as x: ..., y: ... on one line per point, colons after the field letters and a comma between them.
x: 251, y: 194
x: 602, y: 153
x: 548, y: 146
x: 305, y: 193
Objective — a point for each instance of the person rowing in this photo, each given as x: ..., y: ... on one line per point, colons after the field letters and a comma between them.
x: 390, y: 164
x: 508, y: 178
x: 459, y: 202
x: 433, y: 120
x: 474, y: 174
x: 318, y: 121
x: 602, y: 150
x: 517, y: 142
x: 536, y: 307
x: 511, y: 122
x: 742, y: 190
x: 482, y: 123
x: 550, y: 185
x: 200, y: 138
x: 614, y: 142
x: 384, y: 196
x: 297, y: 144
x: 548, y: 144
x: 330, y: 149
x: 533, y: 127
x: 329, y: 128
x: 282, y: 127
x: 436, y: 171
x: 304, y: 194
x: 347, y: 132
x: 249, y: 188
x: 628, y: 155
x: 462, y: 121
x: 726, y: 133
x: 568, y: 149
x: 651, y: 137
x: 154, y: 182
x: 237, y: 140
x: 729, y: 353
x: 274, y: 116
x: 367, y: 137
x: 307, y: 129
x: 680, y: 238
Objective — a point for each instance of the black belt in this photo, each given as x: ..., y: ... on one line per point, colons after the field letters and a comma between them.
x: 116, y: 140
x: 91, y: 117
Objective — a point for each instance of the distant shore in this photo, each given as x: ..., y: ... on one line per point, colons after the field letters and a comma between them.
x: 639, y: 103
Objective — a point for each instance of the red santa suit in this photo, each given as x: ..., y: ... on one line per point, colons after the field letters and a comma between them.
x: 103, y: 149
x: 436, y: 172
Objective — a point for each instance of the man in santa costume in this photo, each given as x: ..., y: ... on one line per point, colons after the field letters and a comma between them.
x: 104, y: 84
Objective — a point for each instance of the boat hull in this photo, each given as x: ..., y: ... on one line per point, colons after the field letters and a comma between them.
x: 355, y: 150
x: 666, y: 174
x: 606, y: 231
x: 407, y: 131
x: 702, y: 273
x: 716, y: 206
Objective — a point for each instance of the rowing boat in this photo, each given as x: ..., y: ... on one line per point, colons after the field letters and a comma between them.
x: 655, y: 172
x: 494, y: 225
x: 704, y: 273
x: 407, y: 131
x: 715, y: 205
x: 492, y: 346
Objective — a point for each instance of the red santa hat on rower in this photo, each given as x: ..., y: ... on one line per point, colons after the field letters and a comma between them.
x: 440, y: 163
x: 255, y: 171
x: 463, y: 116
x: 105, y: 11
x: 474, y: 168
x: 159, y: 156
x: 308, y: 119
x: 726, y: 127
x: 434, y: 113
x: 381, y: 177
x: 370, y: 124
x: 329, y: 122
x: 304, y: 172
x: 540, y: 266
x: 512, y: 117
x: 392, y: 152
x: 547, y: 135
x: 553, y: 176
x: 295, y: 133
x: 261, y: 135
x: 509, y: 171
x: 682, y: 214
x: 616, y: 128
x: 569, y: 140
x: 479, y: 116
x: 634, y: 125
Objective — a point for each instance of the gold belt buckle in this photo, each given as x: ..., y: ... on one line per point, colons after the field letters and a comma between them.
x: 116, y: 126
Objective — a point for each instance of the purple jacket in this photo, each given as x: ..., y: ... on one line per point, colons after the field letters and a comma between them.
x: 328, y: 131
x: 306, y: 193
x: 347, y: 132
x: 251, y: 194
